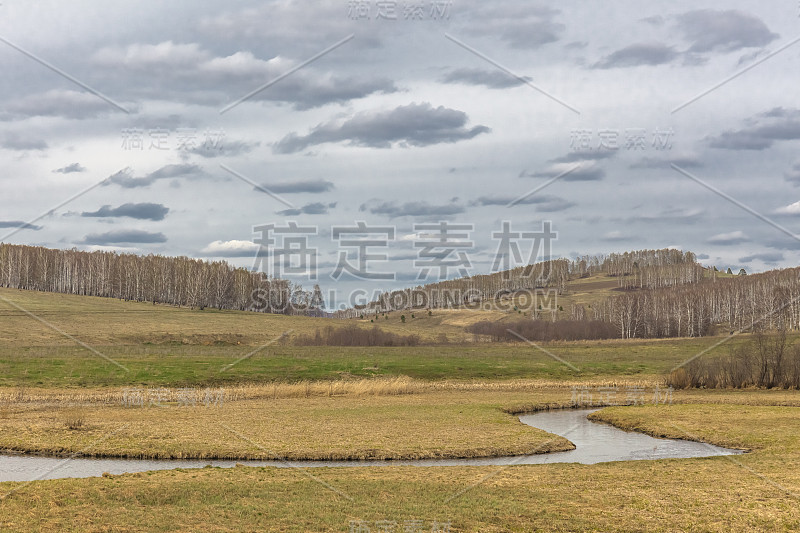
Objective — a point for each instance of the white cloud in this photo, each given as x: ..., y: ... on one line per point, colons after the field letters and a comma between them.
x: 245, y: 64
x: 734, y: 237
x: 614, y: 236
x: 791, y: 209
x: 148, y: 56
x: 231, y: 248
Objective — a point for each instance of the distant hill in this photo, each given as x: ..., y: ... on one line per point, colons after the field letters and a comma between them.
x: 644, y: 293
x: 638, y: 269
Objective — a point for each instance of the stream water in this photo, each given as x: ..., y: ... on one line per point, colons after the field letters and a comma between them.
x: 594, y: 443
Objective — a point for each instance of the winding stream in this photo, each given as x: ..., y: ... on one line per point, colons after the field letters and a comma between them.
x: 594, y: 443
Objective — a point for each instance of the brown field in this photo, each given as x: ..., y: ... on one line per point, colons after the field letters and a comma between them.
x: 391, y: 419
x: 351, y: 426
x: 107, y: 321
x: 758, y: 491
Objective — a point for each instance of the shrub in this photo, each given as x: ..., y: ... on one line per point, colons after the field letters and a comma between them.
x: 352, y: 335
x: 765, y: 361
x: 540, y: 330
x: 74, y: 419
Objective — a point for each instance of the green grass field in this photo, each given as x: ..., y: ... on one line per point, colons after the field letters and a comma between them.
x: 67, y: 366
x: 130, y: 343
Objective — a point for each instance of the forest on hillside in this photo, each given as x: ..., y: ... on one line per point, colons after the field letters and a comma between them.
x: 661, y: 293
x: 770, y: 300
x: 642, y: 269
x: 767, y: 301
x: 179, y: 281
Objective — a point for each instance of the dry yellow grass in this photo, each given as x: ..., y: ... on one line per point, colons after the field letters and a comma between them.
x: 141, y: 322
x: 424, y: 425
x: 758, y: 491
x: 390, y: 386
x: 772, y: 429
x: 364, y: 419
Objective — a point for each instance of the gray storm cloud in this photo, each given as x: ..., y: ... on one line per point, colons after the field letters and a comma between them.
x: 412, y: 125
x: 142, y: 211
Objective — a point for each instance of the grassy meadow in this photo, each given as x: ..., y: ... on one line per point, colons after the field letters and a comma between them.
x: 68, y: 365
x: 135, y: 343
x: 753, y: 492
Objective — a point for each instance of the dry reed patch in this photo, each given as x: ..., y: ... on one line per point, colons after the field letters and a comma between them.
x: 512, y: 396
x: 390, y: 386
x: 73, y: 418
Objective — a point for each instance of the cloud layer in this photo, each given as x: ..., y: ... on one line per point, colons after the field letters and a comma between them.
x: 409, y: 125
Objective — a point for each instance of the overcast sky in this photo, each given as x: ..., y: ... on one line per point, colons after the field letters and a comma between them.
x: 192, y: 122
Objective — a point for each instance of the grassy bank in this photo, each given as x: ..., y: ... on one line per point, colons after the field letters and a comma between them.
x: 425, y: 425
x: 107, y: 321
x: 754, y: 492
x: 373, y: 420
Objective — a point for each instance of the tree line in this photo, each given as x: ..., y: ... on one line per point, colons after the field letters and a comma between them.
x: 770, y: 299
x: 643, y: 269
x: 179, y: 281
x: 664, y: 293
